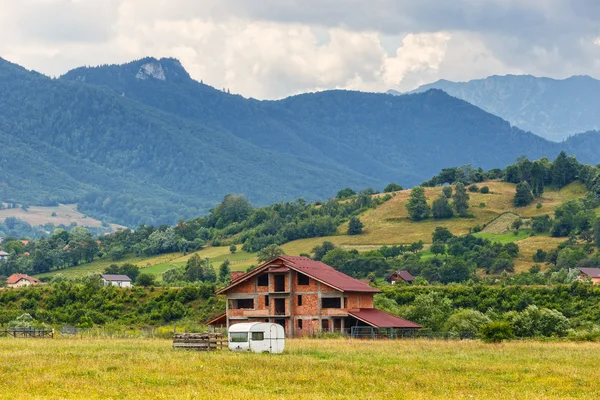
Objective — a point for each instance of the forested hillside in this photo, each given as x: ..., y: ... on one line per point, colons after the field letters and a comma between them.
x: 143, y: 143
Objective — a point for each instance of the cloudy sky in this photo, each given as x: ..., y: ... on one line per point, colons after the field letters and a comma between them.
x: 274, y: 48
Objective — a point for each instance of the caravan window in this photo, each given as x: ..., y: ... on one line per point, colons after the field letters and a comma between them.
x: 258, y: 336
x: 239, y: 337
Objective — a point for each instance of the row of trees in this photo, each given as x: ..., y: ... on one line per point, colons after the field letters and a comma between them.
x: 441, y: 208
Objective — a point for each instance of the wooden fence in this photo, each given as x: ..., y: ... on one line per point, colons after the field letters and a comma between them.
x: 28, y: 333
x: 199, y: 341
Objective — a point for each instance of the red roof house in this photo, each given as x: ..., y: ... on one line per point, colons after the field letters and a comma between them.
x: 400, y: 276
x: 591, y: 273
x: 21, y: 280
x: 304, y: 296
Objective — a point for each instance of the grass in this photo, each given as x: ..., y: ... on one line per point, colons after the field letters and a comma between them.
x: 309, y: 369
x: 505, y: 238
x: 156, y: 265
x: 388, y: 224
x: 65, y: 214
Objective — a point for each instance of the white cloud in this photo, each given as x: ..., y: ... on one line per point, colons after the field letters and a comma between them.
x: 274, y: 48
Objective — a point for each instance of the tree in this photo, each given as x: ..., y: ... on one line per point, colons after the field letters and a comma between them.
x: 597, y: 232
x: 355, y: 227
x: 224, y: 271
x: 417, y: 206
x: 517, y: 223
x: 523, y: 195
x: 438, y: 248
x: 441, y: 234
x: 447, y: 191
x: 540, y: 256
x: 541, y: 224
x: 441, y: 208
x: 564, y: 169
x: 337, y: 257
x: 232, y: 209
x: 145, y: 279
x: 466, y: 322
x: 392, y: 187
x: 232, y: 249
x: 270, y: 252
x: 322, y: 249
x: 461, y: 200
x: 193, y: 269
x: 496, y: 332
x: 430, y: 310
x: 345, y: 193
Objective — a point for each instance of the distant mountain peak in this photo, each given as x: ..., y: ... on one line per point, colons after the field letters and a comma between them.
x: 551, y: 108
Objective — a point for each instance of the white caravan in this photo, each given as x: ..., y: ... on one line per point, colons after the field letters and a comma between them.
x: 259, y: 337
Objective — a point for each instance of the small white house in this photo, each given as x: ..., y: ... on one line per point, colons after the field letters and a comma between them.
x: 116, y: 280
x: 3, y: 255
x: 259, y: 337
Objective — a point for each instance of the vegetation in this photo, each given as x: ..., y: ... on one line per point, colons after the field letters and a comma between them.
x: 417, y: 206
x: 68, y: 368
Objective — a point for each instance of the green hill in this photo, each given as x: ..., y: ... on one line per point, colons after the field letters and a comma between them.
x: 143, y: 143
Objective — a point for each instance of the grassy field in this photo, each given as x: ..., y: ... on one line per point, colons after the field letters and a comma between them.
x: 309, y: 369
x: 65, y: 214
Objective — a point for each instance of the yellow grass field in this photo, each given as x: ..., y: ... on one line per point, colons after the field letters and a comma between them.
x: 389, y: 223
x: 65, y: 214
x: 309, y: 369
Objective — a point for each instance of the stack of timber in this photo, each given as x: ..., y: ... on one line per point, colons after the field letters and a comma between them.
x: 199, y: 341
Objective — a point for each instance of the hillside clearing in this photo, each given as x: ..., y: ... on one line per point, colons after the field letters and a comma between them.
x: 309, y: 369
x: 66, y: 214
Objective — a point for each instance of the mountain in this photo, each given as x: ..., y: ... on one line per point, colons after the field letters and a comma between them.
x: 551, y: 108
x: 145, y: 143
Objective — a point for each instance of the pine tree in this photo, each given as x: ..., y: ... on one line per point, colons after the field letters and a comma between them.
x: 523, y: 196
x: 417, y: 206
x: 461, y: 200
x: 355, y: 227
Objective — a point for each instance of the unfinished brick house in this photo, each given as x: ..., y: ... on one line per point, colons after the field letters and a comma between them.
x: 304, y: 296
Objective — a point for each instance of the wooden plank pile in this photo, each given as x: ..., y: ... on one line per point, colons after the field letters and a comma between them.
x: 205, y: 341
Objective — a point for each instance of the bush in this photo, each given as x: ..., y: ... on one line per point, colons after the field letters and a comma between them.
x: 355, y: 227
x: 466, y: 323
x: 145, y: 279
x: 484, y: 190
x: 496, y: 332
x: 392, y: 187
x: 474, y: 188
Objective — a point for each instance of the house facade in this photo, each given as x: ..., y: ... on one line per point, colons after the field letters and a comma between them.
x: 304, y: 296
x: 116, y: 280
x: 3, y: 255
x: 21, y: 280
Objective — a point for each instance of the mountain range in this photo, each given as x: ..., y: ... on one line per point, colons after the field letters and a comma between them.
x: 551, y: 108
x: 145, y: 143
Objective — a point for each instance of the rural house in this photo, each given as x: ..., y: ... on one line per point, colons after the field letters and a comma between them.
x: 591, y: 273
x: 304, y: 296
x: 116, y: 280
x: 21, y: 280
x: 3, y: 255
x: 400, y: 276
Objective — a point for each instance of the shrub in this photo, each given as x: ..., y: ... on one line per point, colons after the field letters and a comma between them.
x: 540, y: 256
x: 538, y: 205
x: 355, y: 227
x: 466, y: 322
x: 496, y: 332
x: 392, y: 187
x: 474, y: 188
x: 145, y: 279
x: 484, y: 190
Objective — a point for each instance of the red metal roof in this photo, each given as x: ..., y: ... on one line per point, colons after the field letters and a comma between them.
x: 405, y: 275
x: 380, y: 319
x: 591, y: 272
x: 14, y: 278
x: 328, y: 275
x: 316, y: 270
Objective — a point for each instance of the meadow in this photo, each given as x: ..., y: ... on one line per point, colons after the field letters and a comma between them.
x: 309, y: 369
